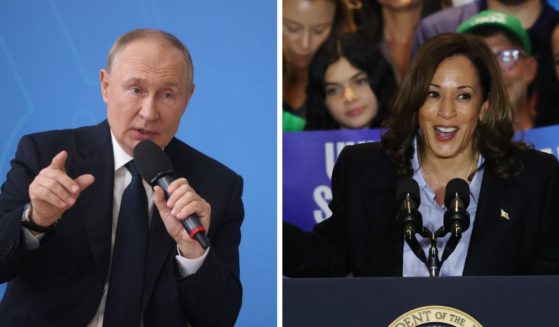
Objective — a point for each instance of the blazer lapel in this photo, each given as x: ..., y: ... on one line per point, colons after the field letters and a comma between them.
x: 385, y: 238
x: 180, y: 158
x: 161, y: 246
x: 95, y: 156
x: 394, y: 237
x: 490, y: 226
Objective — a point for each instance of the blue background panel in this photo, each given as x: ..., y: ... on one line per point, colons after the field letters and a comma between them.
x: 50, y: 56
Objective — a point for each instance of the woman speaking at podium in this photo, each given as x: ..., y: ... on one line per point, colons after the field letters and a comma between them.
x: 451, y: 119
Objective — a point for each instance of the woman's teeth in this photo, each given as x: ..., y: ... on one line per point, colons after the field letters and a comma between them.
x: 446, y: 129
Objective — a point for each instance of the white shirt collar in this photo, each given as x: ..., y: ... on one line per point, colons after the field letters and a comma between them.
x: 120, y: 156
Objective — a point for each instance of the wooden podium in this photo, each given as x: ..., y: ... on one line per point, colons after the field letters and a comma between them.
x: 492, y: 301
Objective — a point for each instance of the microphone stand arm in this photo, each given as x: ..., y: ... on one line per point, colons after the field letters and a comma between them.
x: 434, y: 264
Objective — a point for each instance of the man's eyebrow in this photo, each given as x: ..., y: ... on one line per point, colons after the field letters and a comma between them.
x: 139, y: 80
x: 135, y: 80
x: 173, y: 84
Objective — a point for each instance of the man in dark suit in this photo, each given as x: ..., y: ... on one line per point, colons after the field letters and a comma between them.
x: 61, y: 210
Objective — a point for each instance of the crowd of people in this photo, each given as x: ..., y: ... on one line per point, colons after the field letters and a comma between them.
x: 319, y: 35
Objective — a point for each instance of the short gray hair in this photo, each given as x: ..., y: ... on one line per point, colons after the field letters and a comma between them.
x: 145, y: 33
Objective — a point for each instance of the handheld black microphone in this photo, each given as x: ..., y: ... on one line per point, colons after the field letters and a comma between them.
x: 156, y: 168
x: 456, y: 200
x: 407, y: 197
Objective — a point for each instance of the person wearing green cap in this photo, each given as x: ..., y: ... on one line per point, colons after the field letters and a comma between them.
x: 509, y: 41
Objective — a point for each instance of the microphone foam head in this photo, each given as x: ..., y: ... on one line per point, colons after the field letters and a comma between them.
x: 457, y: 187
x: 151, y: 161
x: 408, y: 186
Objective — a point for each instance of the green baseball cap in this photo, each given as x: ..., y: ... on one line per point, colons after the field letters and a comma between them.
x: 497, y: 19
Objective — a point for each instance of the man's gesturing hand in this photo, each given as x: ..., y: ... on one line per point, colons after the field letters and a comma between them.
x: 52, y: 192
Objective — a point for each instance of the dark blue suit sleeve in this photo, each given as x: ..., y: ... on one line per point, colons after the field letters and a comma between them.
x: 13, y: 253
x: 212, y: 296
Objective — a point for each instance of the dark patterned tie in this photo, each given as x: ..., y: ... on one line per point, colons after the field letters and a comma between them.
x: 124, y: 299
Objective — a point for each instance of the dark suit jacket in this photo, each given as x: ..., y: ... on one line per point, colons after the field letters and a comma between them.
x: 61, y: 282
x: 363, y: 238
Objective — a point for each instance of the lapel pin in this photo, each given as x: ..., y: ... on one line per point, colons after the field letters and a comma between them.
x: 505, y: 215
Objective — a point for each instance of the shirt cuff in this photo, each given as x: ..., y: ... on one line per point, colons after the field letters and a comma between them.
x: 32, y: 242
x: 187, y: 266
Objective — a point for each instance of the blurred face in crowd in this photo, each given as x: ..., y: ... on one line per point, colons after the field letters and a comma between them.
x: 349, y: 97
x: 146, y: 93
x: 518, y: 69
x: 306, y: 24
x: 399, y: 4
x: 449, y: 115
x: 555, y: 49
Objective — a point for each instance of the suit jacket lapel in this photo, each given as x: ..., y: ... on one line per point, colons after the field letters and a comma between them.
x: 161, y: 247
x: 182, y: 162
x: 394, y: 237
x: 385, y: 248
x: 95, y: 156
x: 489, y: 227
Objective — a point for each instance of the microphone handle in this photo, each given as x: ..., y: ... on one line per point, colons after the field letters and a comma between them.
x: 196, y: 230
x: 164, y: 182
x: 191, y: 224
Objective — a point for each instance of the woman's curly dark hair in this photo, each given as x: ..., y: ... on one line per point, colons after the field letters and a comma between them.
x: 362, y: 55
x: 493, y: 135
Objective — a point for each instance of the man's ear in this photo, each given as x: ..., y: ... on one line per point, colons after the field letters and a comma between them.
x: 104, y: 78
x: 189, y: 93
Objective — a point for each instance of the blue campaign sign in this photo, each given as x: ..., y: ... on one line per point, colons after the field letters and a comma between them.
x: 308, y: 160
x: 545, y: 139
x: 309, y: 157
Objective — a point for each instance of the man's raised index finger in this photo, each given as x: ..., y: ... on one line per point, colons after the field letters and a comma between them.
x: 59, y: 160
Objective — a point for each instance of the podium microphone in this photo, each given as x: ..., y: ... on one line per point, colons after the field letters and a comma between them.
x: 156, y: 168
x: 456, y: 199
x: 408, y: 200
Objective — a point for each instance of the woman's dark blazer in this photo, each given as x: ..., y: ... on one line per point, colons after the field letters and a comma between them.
x: 362, y: 237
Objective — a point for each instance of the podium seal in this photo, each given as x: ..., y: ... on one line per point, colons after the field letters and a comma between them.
x: 435, y: 316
